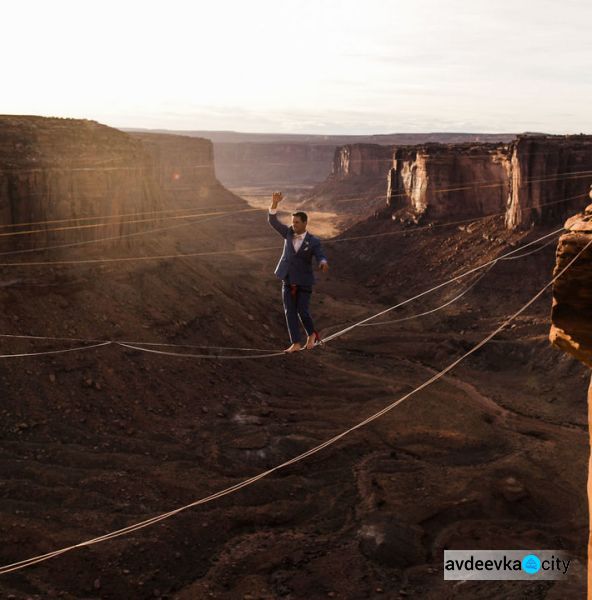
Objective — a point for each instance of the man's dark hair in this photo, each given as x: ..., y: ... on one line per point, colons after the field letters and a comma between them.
x: 301, y: 215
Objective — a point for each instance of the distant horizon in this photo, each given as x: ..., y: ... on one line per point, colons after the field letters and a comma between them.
x: 297, y: 133
x: 249, y: 132
x: 346, y: 134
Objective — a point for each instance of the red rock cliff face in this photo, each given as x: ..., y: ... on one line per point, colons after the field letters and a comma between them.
x: 545, y: 170
x: 302, y: 160
x: 268, y: 164
x: 571, y: 316
x: 534, y: 180
x: 185, y: 165
x: 56, y: 169
x: 531, y: 181
x: 445, y: 182
x: 361, y: 161
x: 426, y: 181
x: 357, y: 183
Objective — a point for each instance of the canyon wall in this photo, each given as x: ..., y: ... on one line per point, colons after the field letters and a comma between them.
x: 67, y: 181
x: 185, y: 167
x: 427, y: 181
x: 302, y: 160
x: 62, y: 169
x: 533, y: 180
x: 545, y: 170
x: 571, y: 315
x: 447, y: 182
x: 363, y: 161
x: 279, y: 164
x: 356, y: 184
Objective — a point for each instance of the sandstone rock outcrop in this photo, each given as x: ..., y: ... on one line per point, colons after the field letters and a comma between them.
x: 544, y: 171
x: 361, y: 161
x: 275, y: 159
x: 81, y: 180
x: 446, y: 182
x: 57, y: 169
x: 185, y: 165
x: 571, y: 316
x: 260, y: 164
x: 357, y: 182
x: 533, y: 180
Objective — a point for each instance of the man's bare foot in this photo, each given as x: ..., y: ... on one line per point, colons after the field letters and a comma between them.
x: 293, y: 348
x: 310, y: 342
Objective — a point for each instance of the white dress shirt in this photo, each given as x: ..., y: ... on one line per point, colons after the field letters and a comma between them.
x: 297, y: 239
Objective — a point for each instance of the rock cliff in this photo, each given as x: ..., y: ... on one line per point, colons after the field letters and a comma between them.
x: 77, y: 178
x: 59, y: 169
x: 571, y: 315
x: 426, y: 181
x: 361, y: 161
x: 185, y: 166
x: 535, y: 180
x: 301, y: 160
x: 528, y: 180
x: 445, y: 182
x: 545, y: 170
x: 357, y: 182
x: 272, y: 164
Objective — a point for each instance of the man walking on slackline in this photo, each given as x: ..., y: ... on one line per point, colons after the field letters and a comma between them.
x: 295, y: 271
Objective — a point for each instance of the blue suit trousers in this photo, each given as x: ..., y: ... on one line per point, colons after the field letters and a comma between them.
x: 296, y: 309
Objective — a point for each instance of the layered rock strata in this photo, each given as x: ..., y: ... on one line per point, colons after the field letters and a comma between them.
x: 185, y: 165
x: 72, y: 180
x: 533, y: 180
x: 571, y: 316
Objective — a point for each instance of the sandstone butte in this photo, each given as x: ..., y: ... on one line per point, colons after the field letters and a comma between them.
x: 300, y: 160
x: 571, y: 317
x: 527, y: 180
x: 55, y: 169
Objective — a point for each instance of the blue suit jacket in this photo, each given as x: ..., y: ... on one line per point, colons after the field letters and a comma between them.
x: 297, y: 265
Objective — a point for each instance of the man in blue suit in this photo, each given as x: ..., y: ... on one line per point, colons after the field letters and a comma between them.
x: 295, y: 271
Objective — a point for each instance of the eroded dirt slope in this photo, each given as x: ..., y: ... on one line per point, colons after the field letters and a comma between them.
x: 96, y: 440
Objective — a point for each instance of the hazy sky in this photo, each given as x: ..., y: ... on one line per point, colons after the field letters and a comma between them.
x: 322, y: 66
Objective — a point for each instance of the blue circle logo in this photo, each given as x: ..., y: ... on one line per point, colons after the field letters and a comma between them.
x: 531, y: 564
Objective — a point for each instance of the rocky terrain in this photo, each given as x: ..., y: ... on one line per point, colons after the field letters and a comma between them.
x: 239, y: 137
x: 186, y: 171
x: 57, y: 169
x: 539, y: 166
x: 279, y: 164
x: 528, y: 180
x: 571, y: 318
x: 356, y: 185
x: 260, y: 160
x: 95, y: 440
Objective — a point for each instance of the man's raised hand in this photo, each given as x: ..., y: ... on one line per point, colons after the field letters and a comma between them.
x: 276, y: 198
